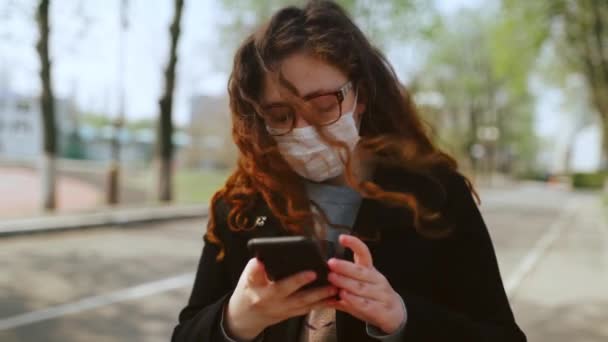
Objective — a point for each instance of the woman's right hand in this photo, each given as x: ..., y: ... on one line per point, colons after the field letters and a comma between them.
x: 258, y: 302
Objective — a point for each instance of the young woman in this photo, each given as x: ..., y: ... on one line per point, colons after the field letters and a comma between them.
x: 331, y: 147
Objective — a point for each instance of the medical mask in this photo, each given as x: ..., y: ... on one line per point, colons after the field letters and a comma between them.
x: 310, y: 156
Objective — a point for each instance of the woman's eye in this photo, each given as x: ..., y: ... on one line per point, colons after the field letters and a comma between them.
x: 280, y: 119
x: 327, y: 108
x: 325, y: 103
x: 278, y: 115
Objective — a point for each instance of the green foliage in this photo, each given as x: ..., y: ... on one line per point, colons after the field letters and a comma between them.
x: 512, y: 56
x: 197, y: 186
x: 95, y: 119
x: 382, y: 19
x: 480, y: 83
x: 102, y: 120
x: 191, y: 186
x: 141, y: 124
x: 387, y: 22
x: 533, y: 175
x: 384, y: 22
x: 592, y: 181
x: 525, y: 29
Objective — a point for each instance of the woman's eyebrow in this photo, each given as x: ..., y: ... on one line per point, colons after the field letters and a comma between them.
x: 317, y: 92
x: 322, y: 91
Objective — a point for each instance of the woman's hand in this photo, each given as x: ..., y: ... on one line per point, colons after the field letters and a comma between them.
x: 364, y: 292
x: 258, y: 302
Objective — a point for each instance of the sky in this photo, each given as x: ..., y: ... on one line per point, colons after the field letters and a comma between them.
x: 86, y: 57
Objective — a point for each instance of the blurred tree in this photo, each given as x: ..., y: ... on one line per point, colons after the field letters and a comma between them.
x: 577, y: 31
x: 386, y: 23
x: 165, y: 124
x: 47, y: 110
x: 481, y: 98
x: 380, y: 20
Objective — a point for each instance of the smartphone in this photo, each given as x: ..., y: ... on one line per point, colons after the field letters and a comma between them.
x: 285, y: 256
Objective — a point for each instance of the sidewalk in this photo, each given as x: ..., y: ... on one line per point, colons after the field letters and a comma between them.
x: 565, y: 297
x: 105, y: 217
x: 21, y: 192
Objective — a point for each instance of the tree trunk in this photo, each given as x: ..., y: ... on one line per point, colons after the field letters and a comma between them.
x: 165, y: 125
x: 604, y: 155
x: 599, y: 97
x: 599, y: 10
x: 472, y: 138
x: 47, y: 109
x: 49, y: 173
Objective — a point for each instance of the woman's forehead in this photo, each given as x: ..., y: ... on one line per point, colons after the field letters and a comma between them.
x: 306, y: 73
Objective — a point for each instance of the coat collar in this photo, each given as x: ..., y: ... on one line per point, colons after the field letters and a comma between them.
x: 373, y: 213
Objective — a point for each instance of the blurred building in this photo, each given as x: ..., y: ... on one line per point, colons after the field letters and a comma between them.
x: 210, y: 131
x: 21, y: 134
x: 21, y: 125
x: 136, y: 146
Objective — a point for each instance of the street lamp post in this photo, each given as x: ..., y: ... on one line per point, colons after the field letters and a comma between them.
x: 488, y: 136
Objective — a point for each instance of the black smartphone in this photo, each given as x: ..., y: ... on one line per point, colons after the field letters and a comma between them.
x: 285, y: 256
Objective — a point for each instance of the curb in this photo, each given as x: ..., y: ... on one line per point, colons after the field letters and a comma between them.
x: 118, y: 217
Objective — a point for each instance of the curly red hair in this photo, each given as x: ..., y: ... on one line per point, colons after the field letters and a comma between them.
x: 391, y: 130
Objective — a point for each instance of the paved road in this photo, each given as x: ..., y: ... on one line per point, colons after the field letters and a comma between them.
x: 115, y: 284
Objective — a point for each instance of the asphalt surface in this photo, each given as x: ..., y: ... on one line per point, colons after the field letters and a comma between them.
x: 118, y: 284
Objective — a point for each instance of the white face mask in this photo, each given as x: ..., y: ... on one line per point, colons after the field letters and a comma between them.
x: 310, y: 156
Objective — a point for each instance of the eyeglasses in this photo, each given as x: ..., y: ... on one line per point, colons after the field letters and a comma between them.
x: 280, y: 119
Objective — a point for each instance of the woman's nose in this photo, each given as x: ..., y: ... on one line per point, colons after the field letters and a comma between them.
x: 300, y: 121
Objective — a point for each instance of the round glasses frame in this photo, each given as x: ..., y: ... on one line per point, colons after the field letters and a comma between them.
x: 340, y: 95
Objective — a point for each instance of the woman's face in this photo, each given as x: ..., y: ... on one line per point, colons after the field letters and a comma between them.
x: 308, y: 75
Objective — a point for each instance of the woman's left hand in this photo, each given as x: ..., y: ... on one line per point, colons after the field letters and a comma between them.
x: 364, y: 292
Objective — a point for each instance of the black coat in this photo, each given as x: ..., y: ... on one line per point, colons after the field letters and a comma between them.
x: 451, y: 287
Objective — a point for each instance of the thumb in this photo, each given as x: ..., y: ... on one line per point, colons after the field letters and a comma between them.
x: 256, y: 273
